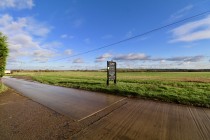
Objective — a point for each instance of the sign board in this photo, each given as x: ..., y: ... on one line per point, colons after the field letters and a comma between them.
x: 111, y: 72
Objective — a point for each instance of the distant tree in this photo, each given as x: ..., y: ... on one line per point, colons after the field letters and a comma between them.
x: 3, y: 53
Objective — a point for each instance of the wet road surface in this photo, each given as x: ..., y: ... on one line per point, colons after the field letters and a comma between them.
x: 149, y: 120
x: 74, y: 103
x: 108, y: 117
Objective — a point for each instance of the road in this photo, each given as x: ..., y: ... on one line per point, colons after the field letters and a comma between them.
x: 148, y: 120
x: 112, y: 117
x: 74, y: 103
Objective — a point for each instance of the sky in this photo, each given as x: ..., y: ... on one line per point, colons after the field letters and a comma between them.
x: 60, y: 35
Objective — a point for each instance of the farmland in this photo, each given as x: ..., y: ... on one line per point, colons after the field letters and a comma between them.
x: 191, y: 88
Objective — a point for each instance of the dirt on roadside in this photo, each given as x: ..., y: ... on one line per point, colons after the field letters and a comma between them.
x: 22, y: 118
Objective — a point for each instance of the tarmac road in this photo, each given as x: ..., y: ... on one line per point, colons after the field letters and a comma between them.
x: 149, y: 120
x: 111, y: 117
x: 74, y: 103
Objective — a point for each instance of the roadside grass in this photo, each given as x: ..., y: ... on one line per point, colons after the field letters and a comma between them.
x: 191, y: 88
x: 2, y: 88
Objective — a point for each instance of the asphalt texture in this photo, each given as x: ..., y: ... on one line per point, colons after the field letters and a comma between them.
x: 103, y: 116
x: 148, y: 120
x: 77, y: 104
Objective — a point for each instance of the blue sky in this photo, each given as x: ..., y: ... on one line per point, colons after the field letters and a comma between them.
x: 46, y: 34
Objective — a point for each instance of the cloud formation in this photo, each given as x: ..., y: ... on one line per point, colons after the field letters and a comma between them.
x: 36, y: 28
x: 144, y: 57
x: 23, y: 38
x: 16, y: 4
x: 50, y: 45
x: 180, y: 13
x: 186, y: 58
x: 78, y: 60
x: 192, y: 31
x: 132, y: 56
x: 67, y: 36
x: 42, y: 55
x: 103, y: 57
x: 196, y: 58
x: 68, y: 52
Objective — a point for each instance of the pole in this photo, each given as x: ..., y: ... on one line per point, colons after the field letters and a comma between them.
x: 115, y: 80
x: 107, y: 81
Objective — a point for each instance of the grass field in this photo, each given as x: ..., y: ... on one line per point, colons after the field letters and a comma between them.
x: 192, y: 88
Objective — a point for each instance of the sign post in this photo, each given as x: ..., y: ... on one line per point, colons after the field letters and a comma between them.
x: 111, y: 72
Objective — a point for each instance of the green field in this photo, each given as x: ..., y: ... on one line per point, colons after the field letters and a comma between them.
x: 192, y: 88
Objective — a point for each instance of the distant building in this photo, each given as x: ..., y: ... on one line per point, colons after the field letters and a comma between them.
x: 8, y: 72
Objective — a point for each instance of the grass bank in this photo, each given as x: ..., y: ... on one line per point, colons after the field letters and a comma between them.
x: 2, y: 88
x: 191, y: 88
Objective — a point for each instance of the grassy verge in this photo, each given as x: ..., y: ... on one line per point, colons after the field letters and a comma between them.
x: 184, y: 88
x: 2, y: 88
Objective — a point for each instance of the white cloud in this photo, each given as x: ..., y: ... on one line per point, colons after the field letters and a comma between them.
x: 180, y: 13
x: 37, y: 28
x: 23, y: 25
x: 8, y: 25
x: 24, y: 35
x: 67, y: 36
x: 193, y: 31
x: 12, y: 59
x: 23, y: 40
x: 197, y: 58
x: 5, y: 19
x: 78, y: 60
x: 41, y: 60
x: 132, y: 56
x: 186, y: 58
x: 68, y: 52
x: 141, y: 57
x: 43, y: 55
x: 103, y: 57
x: 53, y: 44
x: 16, y: 4
x: 64, y: 36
